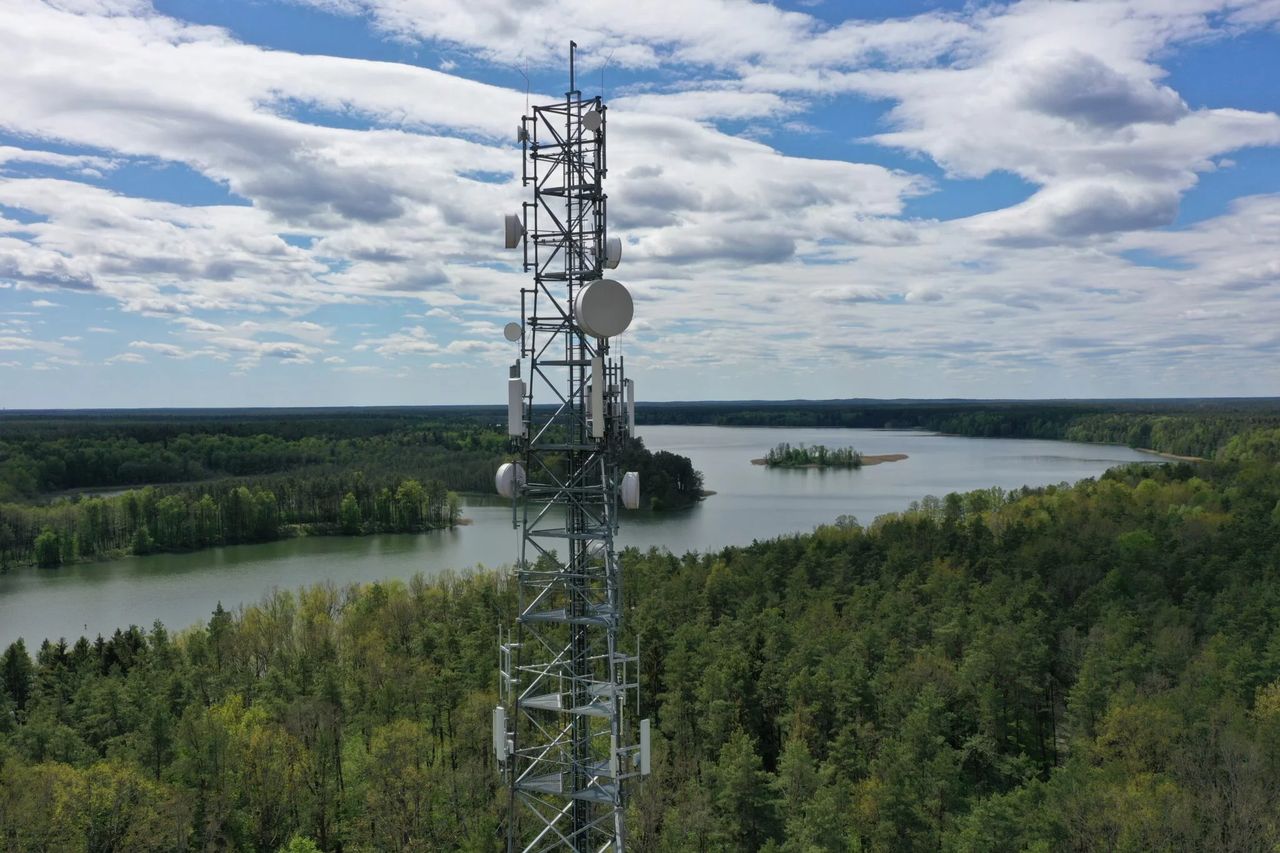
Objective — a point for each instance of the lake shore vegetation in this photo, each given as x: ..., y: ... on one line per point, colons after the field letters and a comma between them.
x: 84, y: 486
x: 1062, y: 668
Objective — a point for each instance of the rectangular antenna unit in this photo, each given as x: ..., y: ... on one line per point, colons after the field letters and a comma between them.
x: 515, y: 407
x: 597, y: 397
x: 645, y: 763
x: 500, y: 734
x: 631, y: 405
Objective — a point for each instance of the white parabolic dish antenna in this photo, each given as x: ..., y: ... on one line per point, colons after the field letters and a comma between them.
x: 604, y: 308
x: 514, y: 229
x: 509, y: 479
x: 612, y: 252
x: 591, y: 119
x: 511, y: 332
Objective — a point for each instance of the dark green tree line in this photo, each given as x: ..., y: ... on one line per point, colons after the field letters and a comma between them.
x: 221, y: 513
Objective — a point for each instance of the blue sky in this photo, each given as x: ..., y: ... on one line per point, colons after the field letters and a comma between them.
x: 247, y: 202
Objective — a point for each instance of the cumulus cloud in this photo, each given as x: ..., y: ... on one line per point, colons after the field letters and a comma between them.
x: 1081, y: 88
x: 1082, y: 208
x: 733, y: 246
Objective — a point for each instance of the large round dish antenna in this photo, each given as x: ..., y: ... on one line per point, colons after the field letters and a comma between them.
x: 511, y: 332
x: 592, y: 119
x: 509, y: 479
x: 514, y: 229
x: 604, y: 308
x: 612, y: 252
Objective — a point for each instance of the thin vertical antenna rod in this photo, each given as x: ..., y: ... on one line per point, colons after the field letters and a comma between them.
x: 573, y: 81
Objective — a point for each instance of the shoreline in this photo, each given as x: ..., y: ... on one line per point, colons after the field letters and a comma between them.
x: 866, y: 460
x: 1172, y: 456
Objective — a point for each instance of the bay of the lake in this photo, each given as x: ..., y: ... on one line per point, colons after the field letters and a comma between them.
x: 751, y: 502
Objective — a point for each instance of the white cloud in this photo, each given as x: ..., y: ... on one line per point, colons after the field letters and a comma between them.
x: 83, y: 164
x: 24, y: 342
x: 170, y: 350
x: 710, y: 104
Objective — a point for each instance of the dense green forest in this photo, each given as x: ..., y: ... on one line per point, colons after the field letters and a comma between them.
x: 49, y: 453
x: 1182, y: 427
x: 226, y: 512
x: 784, y: 455
x: 1079, y: 668
x: 218, y: 478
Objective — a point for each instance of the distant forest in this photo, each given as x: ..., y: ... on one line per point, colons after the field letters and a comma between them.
x: 227, y: 477
x: 1180, y: 427
x: 1094, y: 667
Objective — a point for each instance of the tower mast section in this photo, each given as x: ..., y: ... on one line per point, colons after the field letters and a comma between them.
x: 564, y: 734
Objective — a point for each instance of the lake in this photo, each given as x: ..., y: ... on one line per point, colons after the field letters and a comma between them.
x: 751, y: 502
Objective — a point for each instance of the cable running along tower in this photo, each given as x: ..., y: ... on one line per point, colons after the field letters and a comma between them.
x: 567, y: 735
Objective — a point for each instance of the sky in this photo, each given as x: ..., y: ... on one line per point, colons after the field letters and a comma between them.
x: 258, y: 203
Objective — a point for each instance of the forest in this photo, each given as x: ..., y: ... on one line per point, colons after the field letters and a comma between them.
x: 1094, y: 667
x: 784, y: 455
x: 149, y: 520
x: 222, y: 478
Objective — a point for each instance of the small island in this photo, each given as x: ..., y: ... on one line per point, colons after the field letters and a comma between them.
x: 820, y: 456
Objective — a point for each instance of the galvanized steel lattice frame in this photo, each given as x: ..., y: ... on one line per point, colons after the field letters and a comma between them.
x: 567, y: 684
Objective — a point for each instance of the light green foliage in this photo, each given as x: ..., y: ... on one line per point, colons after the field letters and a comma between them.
x: 48, y: 549
x: 349, y: 514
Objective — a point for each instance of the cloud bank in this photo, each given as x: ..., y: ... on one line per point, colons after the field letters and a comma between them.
x: 240, y: 206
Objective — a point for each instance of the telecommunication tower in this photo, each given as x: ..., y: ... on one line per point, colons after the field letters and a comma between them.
x: 566, y: 734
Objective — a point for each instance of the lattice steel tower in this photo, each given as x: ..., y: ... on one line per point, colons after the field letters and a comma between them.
x: 567, y: 735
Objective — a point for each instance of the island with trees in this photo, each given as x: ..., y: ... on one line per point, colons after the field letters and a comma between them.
x: 785, y: 455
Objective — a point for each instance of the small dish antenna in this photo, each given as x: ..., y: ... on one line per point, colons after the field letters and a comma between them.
x: 612, y: 252
x: 509, y: 479
x: 514, y: 228
x: 592, y: 119
x: 511, y: 332
x: 604, y: 308
x: 631, y: 490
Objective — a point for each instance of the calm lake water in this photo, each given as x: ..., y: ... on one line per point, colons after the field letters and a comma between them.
x: 751, y: 502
